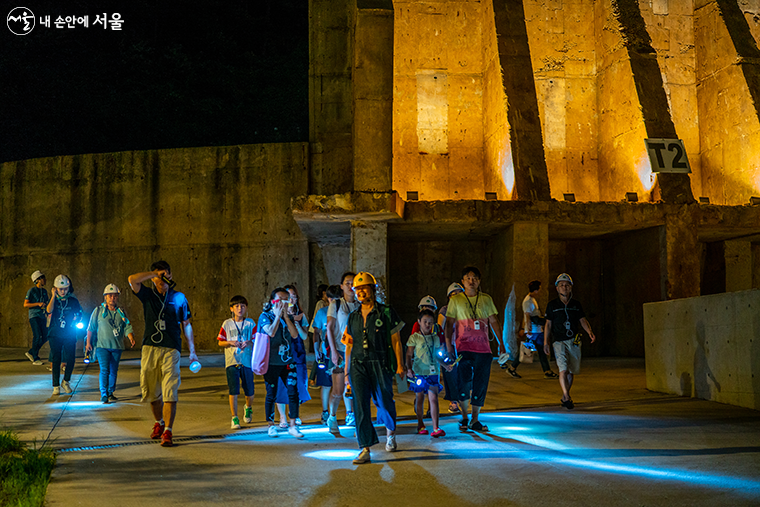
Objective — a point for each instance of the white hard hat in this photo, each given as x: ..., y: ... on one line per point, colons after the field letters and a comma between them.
x: 454, y: 286
x: 37, y: 275
x: 428, y: 301
x: 61, y: 282
x: 563, y: 277
x: 111, y: 289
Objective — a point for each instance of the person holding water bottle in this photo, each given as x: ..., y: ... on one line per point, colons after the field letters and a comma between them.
x: 167, y: 315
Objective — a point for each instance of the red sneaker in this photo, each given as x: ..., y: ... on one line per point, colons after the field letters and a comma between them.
x: 421, y: 430
x: 438, y: 433
x: 166, y: 439
x: 158, y: 430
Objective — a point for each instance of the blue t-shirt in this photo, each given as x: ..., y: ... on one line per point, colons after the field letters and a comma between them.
x: 171, y: 308
x: 103, y: 322
x: 281, y: 349
x: 320, y: 321
x: 37, y: 295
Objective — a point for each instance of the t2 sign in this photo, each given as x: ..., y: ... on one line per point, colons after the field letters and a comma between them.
x: 667, y: 156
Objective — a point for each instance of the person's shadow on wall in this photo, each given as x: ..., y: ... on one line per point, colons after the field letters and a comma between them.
x: 703, y: 375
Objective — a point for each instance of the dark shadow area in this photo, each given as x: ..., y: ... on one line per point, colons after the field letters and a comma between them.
x: 175, y: 75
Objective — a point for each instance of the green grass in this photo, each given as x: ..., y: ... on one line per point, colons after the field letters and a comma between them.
x: 24, y: 472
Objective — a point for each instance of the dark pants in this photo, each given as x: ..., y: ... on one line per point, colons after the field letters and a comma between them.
x: 369, y: 380
x: 474, y: 373
x: 62, y: 348
x: 451, y: 383
x: 39, y: 335
x: 274, y: 374
x: 538, y: 341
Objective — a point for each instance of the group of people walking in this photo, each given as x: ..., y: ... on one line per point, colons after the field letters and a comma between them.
x: 357, y: 342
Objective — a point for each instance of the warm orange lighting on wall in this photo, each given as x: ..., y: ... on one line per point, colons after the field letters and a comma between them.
x: 644, y: 171
x: 507, y: 169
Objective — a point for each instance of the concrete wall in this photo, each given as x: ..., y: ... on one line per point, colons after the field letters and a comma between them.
x: 705, y: 347
x: 220, y: 216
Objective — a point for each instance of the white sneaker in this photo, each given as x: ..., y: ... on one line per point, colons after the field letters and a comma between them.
x: 293, y: 430
x: 248, y: 414
x: 29, y: 356
x: 66, y: 387
x: 235, y: 423
x: 390, y: 444
x: 38, y: 362
x: 272, y: 432
x: 332, y: 424
x: 362, y: 458
x: 56, y: 390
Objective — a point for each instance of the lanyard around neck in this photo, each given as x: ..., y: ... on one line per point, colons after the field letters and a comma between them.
x: 473, y: 309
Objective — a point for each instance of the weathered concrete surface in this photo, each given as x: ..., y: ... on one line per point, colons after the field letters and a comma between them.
x: 528, y: 160
x: 372, y: 82
x: 707, y: 347
x: 220, y: 216
x: 728, y: 84
x: 621, y: 445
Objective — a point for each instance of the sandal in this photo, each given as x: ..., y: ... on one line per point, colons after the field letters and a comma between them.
x: 478, y: 426
x: 567, y: 404
x: 463, y: 424
x: 284, y: 425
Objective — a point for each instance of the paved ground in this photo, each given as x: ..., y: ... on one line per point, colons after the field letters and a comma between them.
x: 622, y: 445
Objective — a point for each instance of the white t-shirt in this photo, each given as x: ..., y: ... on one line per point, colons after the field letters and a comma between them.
x: 233, y: 331
x: 341, y: 315
x: 530, y: 308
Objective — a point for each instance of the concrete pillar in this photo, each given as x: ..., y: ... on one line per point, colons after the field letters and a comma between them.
x: 728, y: 99
x: 520, y: 254
x: 373, y: 95
x: 681, y: 252
x: 369, y: 249
x: 330, y: 96
x: 633, y: 106
x: 527, y: 145
x: 738, y: 256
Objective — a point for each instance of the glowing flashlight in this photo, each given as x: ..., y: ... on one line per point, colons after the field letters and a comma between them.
x: 419, y: 382
x: 80, y: 325
x: 86, y: 359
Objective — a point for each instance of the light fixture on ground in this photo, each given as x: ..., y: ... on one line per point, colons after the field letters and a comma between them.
x: 754, y: 201
x: 569, y: 197
x: 704, y: 200
x: 632, y: 197
x: 490, y: 196
x: 412, y: 196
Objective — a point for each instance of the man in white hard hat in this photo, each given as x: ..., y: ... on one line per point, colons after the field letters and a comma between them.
x: 36, y: 301
x: 564, y: 320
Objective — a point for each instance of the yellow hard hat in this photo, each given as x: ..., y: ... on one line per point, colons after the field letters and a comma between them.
x: 364, y: 278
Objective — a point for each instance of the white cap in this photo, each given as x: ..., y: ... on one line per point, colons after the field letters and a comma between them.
x: 563, y: 277
x: 37, y: 275
x: 61, y: 282
x: 454, y: 286
x: 428, y: 301
x: 111, y: 289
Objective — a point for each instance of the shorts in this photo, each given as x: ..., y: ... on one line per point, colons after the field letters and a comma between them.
x: 239, y: 374
x: 159, y: 374
x: 423, y: 383
x: 568, y: 356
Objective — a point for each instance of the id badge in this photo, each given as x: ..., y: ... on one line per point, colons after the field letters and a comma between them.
x: 432, y: 370
x: 63, y: 324
x: 116, y: 333
x: 162, y: 325
x: 477, y: 325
